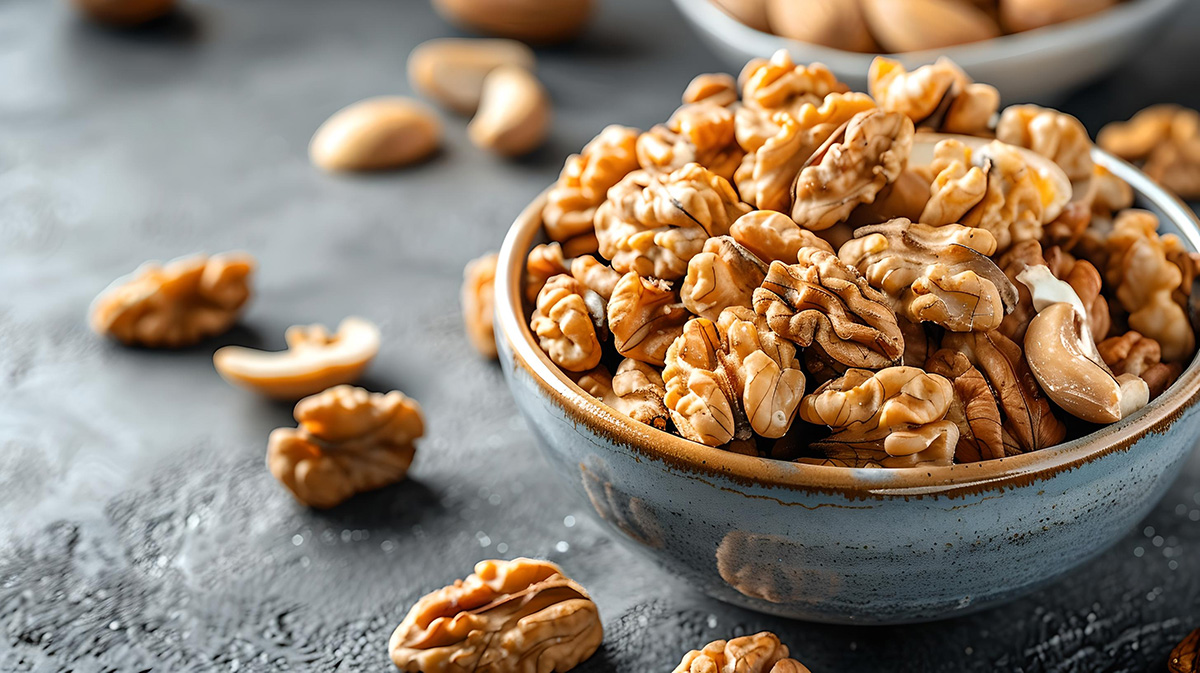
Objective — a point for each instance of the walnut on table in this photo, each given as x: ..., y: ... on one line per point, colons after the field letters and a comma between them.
x: 519, y: 615
x: 895, y: 417
x: 941, y: 274
x: 759, y: 653
x: 176, y: 304
x: 349, y: 440
x: 855, y: 163
x: 654, y: 224
x: 1185, y: 658
x: 937, y: 97
x: 478, y: 302
x: 585, y: 180
x: 822, y: 301
x: 568, y: 323
x: 730, y: 378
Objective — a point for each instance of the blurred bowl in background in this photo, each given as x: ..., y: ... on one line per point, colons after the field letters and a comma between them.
x: 1040, y: 65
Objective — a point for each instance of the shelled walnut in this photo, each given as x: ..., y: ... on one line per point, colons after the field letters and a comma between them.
x: 700, y: 133
x: 1055, y: 135
x: 349, y: 441
x: 645, y: 316
x: 637, y: 390
x: 820, y: 300
x: 478, y: 303
x: 586, y: 177
x: 729, y: 378
x: 759, y: 653
x: 519, y: 615
x: 894, y: 417
x: 176, y: 304
x: 566, y: 322
x: 773, y: 236
x: 715, y: 87
x: 725, y: 274
x: 936, y: 97
x: 780, y: 85
x: 1167, y: 139
x: 974, y: 409
x: 1132, y: 353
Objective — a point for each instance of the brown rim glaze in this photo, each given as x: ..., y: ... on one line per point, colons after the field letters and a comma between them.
x: 855, y: 483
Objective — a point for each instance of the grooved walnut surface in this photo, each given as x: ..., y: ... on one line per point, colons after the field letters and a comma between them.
x: 140, y: 528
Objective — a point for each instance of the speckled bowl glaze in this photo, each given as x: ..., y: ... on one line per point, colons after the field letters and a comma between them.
x: 1037, y: 65
x: 846, y: 545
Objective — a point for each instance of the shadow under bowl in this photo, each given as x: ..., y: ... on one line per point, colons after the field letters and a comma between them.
x: 847, y: 545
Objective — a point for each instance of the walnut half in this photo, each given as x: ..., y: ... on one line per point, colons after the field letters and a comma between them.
x: 520, y: 615
x: 349, y: 440
x: 176, y: 304
x: 759, y: 653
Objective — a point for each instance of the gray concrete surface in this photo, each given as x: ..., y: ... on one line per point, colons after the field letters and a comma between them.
x: 139, y: 529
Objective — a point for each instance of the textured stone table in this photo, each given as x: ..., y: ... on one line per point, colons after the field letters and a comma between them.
x: 139, y: 529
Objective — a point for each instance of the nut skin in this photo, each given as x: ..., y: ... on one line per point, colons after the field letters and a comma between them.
x: 759, y: 653
x: 514, y: 113
x: 349, y: 441
x: 519, y: 616
x: 376, y: 134
x: 451, y: 70
x: 124, y: 13
x: 917, y: 25
x: 315, y: 360
x: 176, y: 304
x: 532, y: 21
x: 478, y: 301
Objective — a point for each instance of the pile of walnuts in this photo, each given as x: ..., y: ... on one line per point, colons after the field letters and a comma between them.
x: 771, y: 272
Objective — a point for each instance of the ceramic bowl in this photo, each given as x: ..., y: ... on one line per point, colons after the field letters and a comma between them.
x: 1034, y: 66
x: 846, y: 545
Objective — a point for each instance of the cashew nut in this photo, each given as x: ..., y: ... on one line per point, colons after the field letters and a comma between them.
x: 916, y: 25
x: 451, y: 70
x: 376, y: 133
x: 1063, y: 357
x: 314, y: 360
x: 514, y: 113
x: 832, y: 23
x: 125, y: 12
x: 538, y: 21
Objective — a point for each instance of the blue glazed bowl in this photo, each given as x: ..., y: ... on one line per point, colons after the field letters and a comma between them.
x: 844, y: 545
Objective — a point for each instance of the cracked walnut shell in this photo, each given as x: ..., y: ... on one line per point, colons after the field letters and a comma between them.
x: 731, y: 377
x: 759, y: 653
x: 349, y: 441
x: 637, y: 390
x: 855, y: 163
x: 934, y: 274
x: 585, y: 180
x: 645, y: 316
x: 654, y: 224
x: 176, y: 304
x: 519, y: 616
x: 565, y: 323
x: 725, y: 274
x: 821, y: 300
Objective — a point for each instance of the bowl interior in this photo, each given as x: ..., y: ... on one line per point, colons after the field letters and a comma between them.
x: 512, y: 326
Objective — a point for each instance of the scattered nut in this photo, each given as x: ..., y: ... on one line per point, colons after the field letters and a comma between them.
x: 820, y: 300
x: 585, y: 180
x: 893, y: 417
x: 534, y: 21
x: 519, y: 615
x: 759, y: 653
x: 514, y: 113
x: 772, y: 236
x: 832, y: 23
x: 724, y: 275
x: 478, y: 303
x: 451, y: 70
x: 314, y: 360
x: 376, y: 134
x: 349, y: 441
x: 177, y: 304
x: 1062, y: 355
x: 730, y: 378
x: 125, y: 13
x: 645, y: 316
x: 566, y: 325
x: 917, y: 25
x: 852, y: 166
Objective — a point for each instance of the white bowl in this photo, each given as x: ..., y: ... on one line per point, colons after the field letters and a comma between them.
x: 1034, y: 66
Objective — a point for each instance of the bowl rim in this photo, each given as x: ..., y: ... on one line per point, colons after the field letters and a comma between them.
x: 1098, y: 26
x: 961, y: 479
